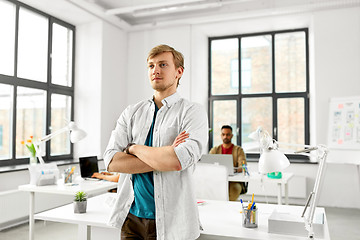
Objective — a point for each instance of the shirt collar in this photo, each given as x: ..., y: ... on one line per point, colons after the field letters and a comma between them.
x: 170, y: 100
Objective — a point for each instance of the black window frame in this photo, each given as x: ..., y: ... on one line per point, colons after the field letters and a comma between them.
x: 275, y: 96
x: 49, y: 87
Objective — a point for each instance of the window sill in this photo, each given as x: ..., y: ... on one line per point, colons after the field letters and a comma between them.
x: 292, y: 161
x: 23, y: 167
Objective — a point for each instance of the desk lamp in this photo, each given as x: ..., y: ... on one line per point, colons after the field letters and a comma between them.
x: 76, y: 134
x: 272, y: 160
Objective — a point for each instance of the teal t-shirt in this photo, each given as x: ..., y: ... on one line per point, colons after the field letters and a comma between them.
x: 144, y: 202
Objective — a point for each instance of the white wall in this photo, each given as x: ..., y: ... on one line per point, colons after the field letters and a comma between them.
x: 114, y: 81
x: 88, y: 77
x: 337, y: 74
x: 101, y: 83
x: 334, y: 60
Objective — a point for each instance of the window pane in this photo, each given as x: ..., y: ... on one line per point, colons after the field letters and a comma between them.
x: 224, y: 114
x: 291, y: 125
x: 255, y: 112
x: 33, y: 46
x: 30, y: 117
x: 290, y: 62
x: 224, y: 66
x: 61, y: 56
x: 7, y: 39
x: 6, y: 96
x: 60, y: 117
x: 256, y: 64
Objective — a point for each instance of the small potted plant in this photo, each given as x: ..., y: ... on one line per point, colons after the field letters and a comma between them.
x: 80, y: 202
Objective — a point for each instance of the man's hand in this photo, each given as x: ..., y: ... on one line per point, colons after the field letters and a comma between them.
x: 180, y: 139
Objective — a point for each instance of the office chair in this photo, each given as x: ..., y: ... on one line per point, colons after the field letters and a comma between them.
x: 211, y: 182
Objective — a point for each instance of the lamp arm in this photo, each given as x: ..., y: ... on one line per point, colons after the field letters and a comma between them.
x: 315, y: 193
x: 38, y: 152
x: 48, y: 137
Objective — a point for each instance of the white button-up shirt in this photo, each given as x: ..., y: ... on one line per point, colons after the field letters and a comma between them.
x: 176, y: 211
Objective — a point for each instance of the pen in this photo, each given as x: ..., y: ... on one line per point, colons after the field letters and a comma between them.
x: 252, y: 202
x: 243, y: 209
x: 252, y: 206
x: 242, y: 206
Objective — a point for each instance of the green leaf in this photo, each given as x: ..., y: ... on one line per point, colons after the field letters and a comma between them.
x: 80, y: 196
x: 32, y: 149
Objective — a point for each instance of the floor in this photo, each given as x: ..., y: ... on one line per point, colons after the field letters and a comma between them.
x: 343, y: 224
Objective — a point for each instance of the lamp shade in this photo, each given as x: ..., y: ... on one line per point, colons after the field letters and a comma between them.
x: 272, y: 161
x: 76, y: 134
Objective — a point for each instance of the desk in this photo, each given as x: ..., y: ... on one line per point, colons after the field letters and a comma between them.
x: 222, y: 220
x: 219, y: 219
x: 257, y: 177
x: 92, y: 188
x: 95, y: 218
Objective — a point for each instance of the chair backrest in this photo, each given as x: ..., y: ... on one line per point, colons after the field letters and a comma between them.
x: 211, y: 182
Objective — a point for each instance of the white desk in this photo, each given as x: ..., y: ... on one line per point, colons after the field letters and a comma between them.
x: 256, y: 177
x: 219, y: 219
x: 92, y: 188
x: 223, y: 220
x: 95, y: 218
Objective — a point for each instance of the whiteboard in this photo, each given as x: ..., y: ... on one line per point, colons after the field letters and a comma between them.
x: 344, y: 123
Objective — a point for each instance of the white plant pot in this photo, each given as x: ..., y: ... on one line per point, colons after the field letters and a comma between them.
x: 80, y: 207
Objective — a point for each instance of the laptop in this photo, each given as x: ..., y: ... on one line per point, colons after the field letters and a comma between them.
x: 88, y: 166
x: 222, y: 159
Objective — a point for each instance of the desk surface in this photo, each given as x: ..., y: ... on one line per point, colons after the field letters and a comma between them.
x: 221, y: 218
x: 254, y: 176
x: 97, y: 212
x: 218, y: 218
x: 90, y: 187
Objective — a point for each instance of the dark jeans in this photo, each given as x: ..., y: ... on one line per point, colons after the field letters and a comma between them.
x: 136, y: 228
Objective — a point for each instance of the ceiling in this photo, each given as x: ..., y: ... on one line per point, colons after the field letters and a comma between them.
x: 141, y: 14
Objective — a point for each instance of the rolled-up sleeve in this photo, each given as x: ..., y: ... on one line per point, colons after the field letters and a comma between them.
x: 118, y: 139
x: 196, y: 124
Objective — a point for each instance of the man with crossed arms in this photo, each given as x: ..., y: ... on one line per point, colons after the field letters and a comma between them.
x: 155, y: 146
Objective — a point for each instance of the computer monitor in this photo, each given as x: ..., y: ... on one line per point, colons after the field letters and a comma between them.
x: 222, y: 159
x: 88, y: 166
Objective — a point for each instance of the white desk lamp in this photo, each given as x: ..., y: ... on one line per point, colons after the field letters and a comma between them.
x: 76, y: 134
x: 272, y: 160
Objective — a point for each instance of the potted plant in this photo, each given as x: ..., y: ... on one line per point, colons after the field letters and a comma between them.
x: 80, y: 202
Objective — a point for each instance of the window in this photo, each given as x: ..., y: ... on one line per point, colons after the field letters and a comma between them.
x: 260, y: 79
x: 1, y: 137
x: 36, y: 82
x: 6, y: 102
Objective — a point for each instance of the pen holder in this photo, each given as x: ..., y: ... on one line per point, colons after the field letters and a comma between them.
x: 68, y: 176
x: 250, y: 218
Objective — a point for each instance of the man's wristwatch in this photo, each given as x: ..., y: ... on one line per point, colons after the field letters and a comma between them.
x: 126, y: 150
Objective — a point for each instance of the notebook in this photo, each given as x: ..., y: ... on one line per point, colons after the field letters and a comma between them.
x: 222, y: 159
x: 88, y: 166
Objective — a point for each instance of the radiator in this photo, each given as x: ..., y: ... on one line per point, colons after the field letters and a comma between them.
x: 296, y: 186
